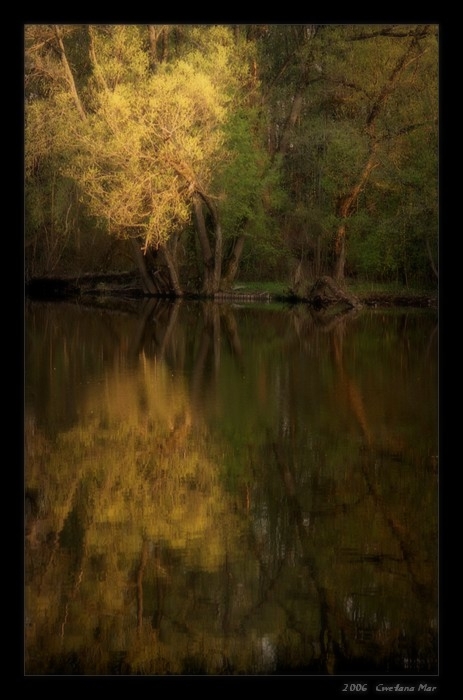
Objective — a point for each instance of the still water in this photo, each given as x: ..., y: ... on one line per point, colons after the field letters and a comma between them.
x: 217, y: 489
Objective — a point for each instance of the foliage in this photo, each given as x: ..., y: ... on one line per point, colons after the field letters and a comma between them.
x: 273, y: 124
x: 145, y: 144
x: 352, y: 77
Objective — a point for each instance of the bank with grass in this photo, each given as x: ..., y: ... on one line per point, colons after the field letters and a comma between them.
x: 90, y: 287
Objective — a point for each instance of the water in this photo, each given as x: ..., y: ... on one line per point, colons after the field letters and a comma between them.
x: 223, y: 490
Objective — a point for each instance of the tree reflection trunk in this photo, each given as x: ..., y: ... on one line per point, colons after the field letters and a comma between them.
x: 216, y: 336
x: 400, y: 532
x: 174, y: 308
x: 147, y: 312
x: 330, y: 650
x: 210, y: 338
x: 163, y: 317
x: 231, y: 330
x: 199, y: 367
x: 349, y: 388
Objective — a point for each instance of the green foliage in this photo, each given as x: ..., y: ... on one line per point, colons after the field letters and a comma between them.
x: 350, y: 73
x: 394, y: 235
x: 248, y: 182
x: 346, y: 153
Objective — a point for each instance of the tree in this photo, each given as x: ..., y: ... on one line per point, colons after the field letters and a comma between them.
x: 206, y: 146
x: 344, y: 102
x: 398, y: 73
x: 142, y: 146
x: 240, y: 175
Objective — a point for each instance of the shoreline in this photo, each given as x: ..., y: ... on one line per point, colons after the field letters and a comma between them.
x: 126, y: 286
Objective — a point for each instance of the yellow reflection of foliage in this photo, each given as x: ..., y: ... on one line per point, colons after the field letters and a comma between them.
x: 136, y: 469
x: 147, y: 467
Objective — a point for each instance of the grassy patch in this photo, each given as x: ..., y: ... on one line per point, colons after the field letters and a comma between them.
x: 361, y: 288
x: 275, y: 288
x: 365, y: 288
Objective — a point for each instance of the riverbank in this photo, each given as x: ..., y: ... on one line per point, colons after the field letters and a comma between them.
x: 369, y: 294
x: 127, y: 285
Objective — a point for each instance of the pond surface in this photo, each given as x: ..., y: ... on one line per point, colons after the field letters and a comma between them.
x: 230, y: 490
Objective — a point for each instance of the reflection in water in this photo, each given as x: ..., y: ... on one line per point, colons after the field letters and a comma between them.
x: 218, y: 490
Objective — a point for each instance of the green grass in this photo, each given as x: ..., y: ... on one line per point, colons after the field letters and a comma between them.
x: 360, y: 288
x: 275, y: 288
x: 363, y: 288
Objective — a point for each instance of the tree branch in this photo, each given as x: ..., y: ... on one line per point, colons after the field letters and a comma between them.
x: 68, y: 72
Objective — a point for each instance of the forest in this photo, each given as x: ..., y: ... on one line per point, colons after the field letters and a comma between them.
x: 202, y: 155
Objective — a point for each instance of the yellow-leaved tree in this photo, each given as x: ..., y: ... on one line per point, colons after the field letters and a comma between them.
x: 143, y: 139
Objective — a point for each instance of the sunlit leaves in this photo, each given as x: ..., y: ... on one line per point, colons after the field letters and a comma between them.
x: 120, y: 53
x: 148, y: 140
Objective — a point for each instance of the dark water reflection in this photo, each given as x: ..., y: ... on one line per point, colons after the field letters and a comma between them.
x: 222, y: 490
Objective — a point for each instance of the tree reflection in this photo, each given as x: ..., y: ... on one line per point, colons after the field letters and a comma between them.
x: 357, y: 492
x: 222, y: 506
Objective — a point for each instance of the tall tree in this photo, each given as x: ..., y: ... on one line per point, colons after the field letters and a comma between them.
x: 142, y: 145
x: 396, y: 71
x: 223, y: 139
x: 343, y: 103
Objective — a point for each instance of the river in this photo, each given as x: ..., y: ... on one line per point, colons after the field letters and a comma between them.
x: 224, y: 489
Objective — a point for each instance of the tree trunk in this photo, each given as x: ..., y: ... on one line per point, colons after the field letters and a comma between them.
x: 233, y: 262
x: 172, y: 268
x: 347, y: 202
x: 174, y: 282
x: 204, y: 244
x: 212, y: 256
x: 293, y: 116
x: 218, y: 254
x: 68, y: 72
x: 146, y: 279
x: 157, y: 44
x: 96, y: 66
x: 153, y: 39
x: 344, y: 209
x: 297, y: 101
x: 340, y: 253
